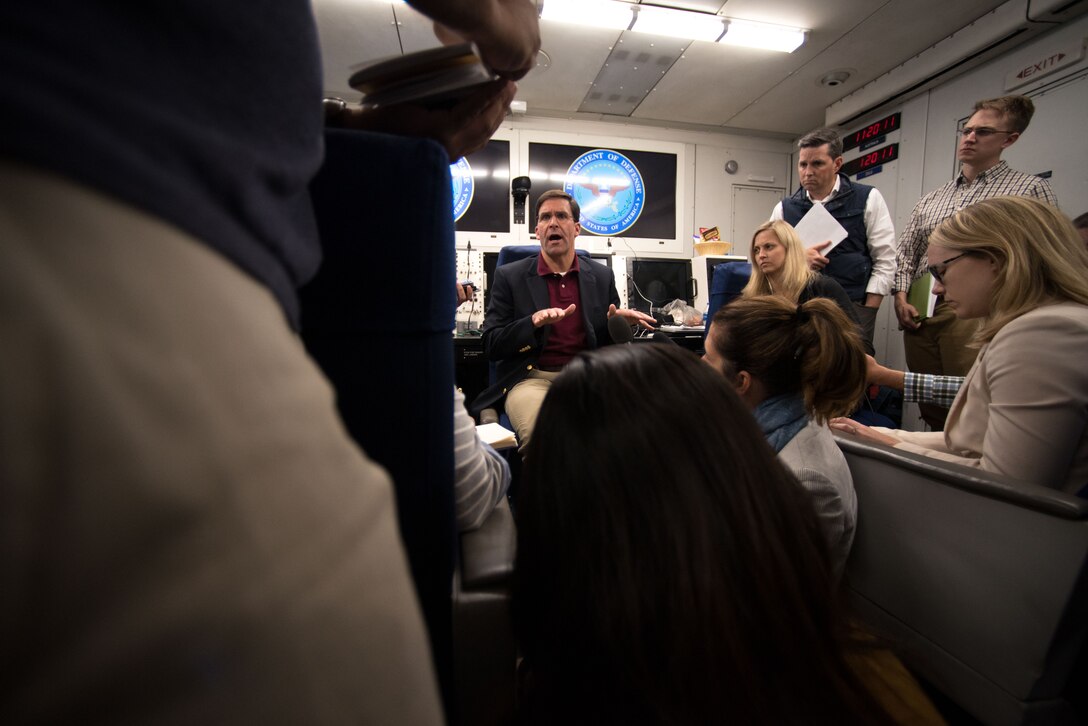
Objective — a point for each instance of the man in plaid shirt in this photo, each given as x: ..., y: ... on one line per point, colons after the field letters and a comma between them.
x: 939, y: 344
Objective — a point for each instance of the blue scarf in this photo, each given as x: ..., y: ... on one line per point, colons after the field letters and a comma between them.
x: 781, y: 417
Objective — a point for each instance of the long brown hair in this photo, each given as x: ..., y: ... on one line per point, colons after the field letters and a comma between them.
x: 669, y: 569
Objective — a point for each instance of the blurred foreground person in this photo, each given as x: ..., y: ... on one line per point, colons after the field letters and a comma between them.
x: 671, y: 571
x: 187, y: 532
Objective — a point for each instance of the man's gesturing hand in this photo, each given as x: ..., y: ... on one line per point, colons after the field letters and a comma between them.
x: 550, y: 316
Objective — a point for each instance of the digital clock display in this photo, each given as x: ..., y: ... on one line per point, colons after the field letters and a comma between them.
x: 872, y: 131
x: 870, y: 159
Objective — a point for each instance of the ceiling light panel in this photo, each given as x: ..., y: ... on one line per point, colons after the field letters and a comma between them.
x: 672, y: 22
x: 763, y: 35
x: 632, y: 70
x: 591, y: 13
x: 676, y: 23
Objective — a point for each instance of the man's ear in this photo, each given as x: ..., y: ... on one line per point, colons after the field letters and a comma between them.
x: 837, y: 163
x: 1010, y: 139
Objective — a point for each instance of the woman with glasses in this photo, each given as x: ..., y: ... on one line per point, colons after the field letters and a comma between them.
x: 779, y: 267
x: 1019, y: 266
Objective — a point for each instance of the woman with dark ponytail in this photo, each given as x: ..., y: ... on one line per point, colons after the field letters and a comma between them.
x: 796, y: 367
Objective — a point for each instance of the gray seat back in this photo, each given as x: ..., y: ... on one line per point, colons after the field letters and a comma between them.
x: 485, y: 656
x: 980, y: 579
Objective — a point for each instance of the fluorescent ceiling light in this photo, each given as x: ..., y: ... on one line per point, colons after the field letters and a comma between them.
x: 678, y: 23
x: 672, y: 22
x: 751, y: 34
x: 594, y: 13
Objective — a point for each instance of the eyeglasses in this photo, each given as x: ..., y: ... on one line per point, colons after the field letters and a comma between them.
x: 981, y: 132
x: 938, y: 269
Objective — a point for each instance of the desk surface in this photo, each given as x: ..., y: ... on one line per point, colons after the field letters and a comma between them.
x: 681, y: 329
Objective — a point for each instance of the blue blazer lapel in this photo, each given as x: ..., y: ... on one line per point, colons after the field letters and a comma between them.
x: 538, y: 288
x: 589, y: 292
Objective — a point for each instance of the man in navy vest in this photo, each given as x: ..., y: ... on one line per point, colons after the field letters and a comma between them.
x: 864, y: 262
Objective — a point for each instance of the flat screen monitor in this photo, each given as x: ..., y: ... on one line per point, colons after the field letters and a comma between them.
x: 622, y: 192
x: 486, y: 206
x: 658, y: 282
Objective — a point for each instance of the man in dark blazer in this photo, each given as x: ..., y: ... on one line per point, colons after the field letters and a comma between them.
x: 544, y: 310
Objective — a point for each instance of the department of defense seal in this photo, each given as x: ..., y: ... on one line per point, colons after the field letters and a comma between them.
x: 463, y: 187
x: 608, y: 188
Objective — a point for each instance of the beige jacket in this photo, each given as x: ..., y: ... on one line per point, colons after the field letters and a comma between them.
x: 1023, y: 408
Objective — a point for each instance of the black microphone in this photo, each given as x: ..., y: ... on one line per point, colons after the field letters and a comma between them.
x: 659, y: 337
x: 519, y: 187
x: 620, y: 329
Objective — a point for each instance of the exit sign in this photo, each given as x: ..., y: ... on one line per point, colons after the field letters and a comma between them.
x: 1045, y: 65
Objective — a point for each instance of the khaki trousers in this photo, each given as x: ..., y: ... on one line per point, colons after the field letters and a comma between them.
x: 940, y: 346
x: 189, y: 535
x: 524, y: 400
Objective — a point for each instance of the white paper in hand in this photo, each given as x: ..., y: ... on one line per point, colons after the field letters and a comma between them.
x: 818, y: 226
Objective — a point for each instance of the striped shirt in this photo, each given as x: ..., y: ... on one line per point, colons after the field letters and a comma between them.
x: 931, y: 388
x: 998, y: 181
x: 480, y: 475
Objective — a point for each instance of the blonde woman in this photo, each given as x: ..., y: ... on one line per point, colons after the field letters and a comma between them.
x: 1020, y: 266
x: 779, y: 267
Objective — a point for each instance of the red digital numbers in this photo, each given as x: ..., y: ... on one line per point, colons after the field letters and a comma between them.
x: 877, y: 128
x: 873, y: 158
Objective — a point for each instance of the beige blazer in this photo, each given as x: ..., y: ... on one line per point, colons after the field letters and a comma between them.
x: 1023, y: 408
